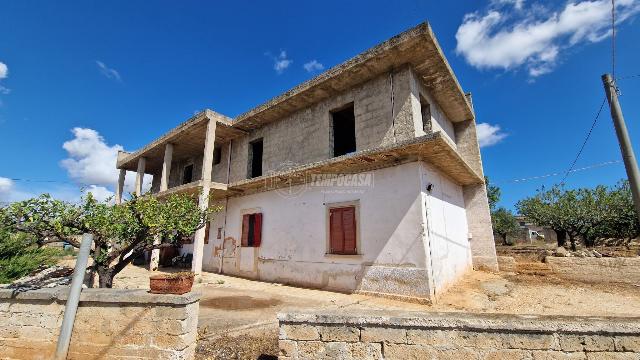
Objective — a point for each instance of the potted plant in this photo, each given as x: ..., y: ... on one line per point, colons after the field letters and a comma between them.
x: 175, y: 283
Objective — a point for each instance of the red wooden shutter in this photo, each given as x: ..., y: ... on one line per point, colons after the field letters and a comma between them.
x: 245, y: 230
x: 349, y: 228
x: 257, y: 229
x: 336, y: 235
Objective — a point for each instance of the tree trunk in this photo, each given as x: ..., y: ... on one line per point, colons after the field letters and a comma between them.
x: 572, y: 239
x: 105, y: 277
x: 562, y: 237
x: 504, y: 239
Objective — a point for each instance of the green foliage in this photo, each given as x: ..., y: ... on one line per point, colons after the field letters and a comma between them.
x: 504, y: 223
x: 121, y: 232
x: 586, y: 213
x: 493, y: 194
x: 19, y: 255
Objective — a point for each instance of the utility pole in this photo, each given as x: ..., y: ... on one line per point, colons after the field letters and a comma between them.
x: 630, y: 163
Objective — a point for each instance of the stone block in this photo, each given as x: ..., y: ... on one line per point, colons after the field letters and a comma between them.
x: 627, y: 343
x: 299, y: 332
x: 408, y: 352
x: 557, y: 355
x: 507, y: 354
x: 380, y: 334
x: 570, y: 342
x: 288, y: 349
x: 606, y: 355
x: 311, y: 349
x: 529, y: 341
x: 339, y: 333
x: 429, y: 337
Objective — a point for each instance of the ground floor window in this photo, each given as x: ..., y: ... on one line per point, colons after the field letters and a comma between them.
x: 342, y: 230
x: 251, y: 230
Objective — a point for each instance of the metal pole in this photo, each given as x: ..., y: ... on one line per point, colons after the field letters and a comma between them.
x: 630, y: 163
x: 74, y: 297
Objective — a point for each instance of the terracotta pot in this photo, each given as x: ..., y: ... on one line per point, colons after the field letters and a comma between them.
x: 170, y: 284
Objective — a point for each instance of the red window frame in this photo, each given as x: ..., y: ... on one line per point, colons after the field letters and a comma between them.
x: 343, y: 230
x: 251, y: 230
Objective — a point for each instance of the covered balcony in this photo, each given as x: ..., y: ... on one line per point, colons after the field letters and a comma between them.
x: 187, y: 159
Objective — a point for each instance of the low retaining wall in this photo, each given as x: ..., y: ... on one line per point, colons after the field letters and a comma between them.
x: 621, y: 270
x: 407, y: 335
x: 110, y: 324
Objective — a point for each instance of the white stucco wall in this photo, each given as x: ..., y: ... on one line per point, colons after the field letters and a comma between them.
x: 447, y: 229
x: 396, y: 253
x: 294, y: 234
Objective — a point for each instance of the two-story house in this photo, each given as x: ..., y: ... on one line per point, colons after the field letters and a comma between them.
x: 366, y: 178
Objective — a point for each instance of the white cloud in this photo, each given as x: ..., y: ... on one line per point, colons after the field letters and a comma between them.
x: 100, y: 193
x: 533, y: 38
x: 4, y: 70
x: 489, y: 134
x: 280, y: 62
x: 108, y: 72
x: 92, y: 162
x: 517, y: 4
x: 6, y: 185
x: 313, y: 65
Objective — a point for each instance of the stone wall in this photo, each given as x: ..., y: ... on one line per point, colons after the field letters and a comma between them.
x: 405, y: 335
x: 621, y: 270
x: 110, y: 324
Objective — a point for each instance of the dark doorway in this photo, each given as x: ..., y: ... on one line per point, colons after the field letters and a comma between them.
x: 255, y: 158
x: 187, y: 174
x: 344, y: 131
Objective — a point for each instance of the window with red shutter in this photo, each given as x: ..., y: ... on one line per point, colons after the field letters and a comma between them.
x: 251, y: 230
x: 342, y: 230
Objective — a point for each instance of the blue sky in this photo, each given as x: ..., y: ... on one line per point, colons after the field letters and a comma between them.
x: 122, y: 73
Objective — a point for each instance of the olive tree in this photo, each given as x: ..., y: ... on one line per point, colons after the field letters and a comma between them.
x: 121, y: 233
x: 504, y: 224
x: 586, y: 213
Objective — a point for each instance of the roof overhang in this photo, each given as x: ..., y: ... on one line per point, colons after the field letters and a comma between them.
x: 417, y: 47
x: 187, y: 138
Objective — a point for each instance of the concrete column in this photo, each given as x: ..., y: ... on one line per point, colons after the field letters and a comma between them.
x: 164, y: 185
x: 120, y: 186
x: 166, y: 167
x: 203, y: 201
x: 142, y: 161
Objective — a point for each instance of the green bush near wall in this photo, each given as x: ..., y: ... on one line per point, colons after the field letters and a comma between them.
x: 19, y: 256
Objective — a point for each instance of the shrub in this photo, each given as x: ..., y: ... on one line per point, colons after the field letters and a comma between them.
x: 19, y: 256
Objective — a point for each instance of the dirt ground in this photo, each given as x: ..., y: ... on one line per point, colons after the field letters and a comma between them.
x: 238, y: 317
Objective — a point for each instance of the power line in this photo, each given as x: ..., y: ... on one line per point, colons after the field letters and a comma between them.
x: 628, y: 77
x: 537, y: 177
x: 40, y: 181
x: 586, y: 139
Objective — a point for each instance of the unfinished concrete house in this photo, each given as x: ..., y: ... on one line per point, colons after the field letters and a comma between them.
x: 366, y: 178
